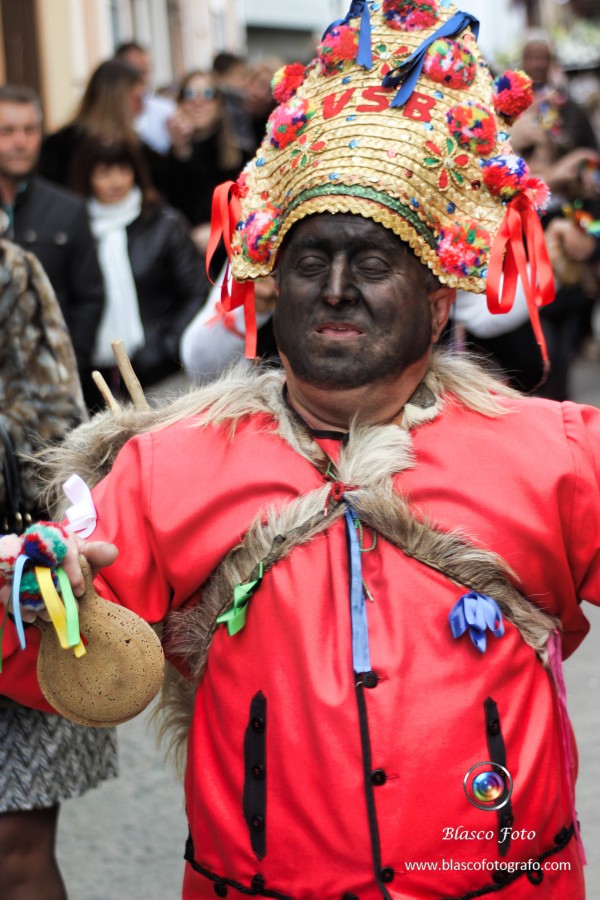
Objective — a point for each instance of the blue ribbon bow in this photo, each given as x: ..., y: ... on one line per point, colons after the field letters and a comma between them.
x: 364, y: 55
x: 476, y: 612
x: 409, y: 71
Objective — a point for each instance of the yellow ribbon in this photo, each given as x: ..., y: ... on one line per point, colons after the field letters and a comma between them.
x: 63, y: 613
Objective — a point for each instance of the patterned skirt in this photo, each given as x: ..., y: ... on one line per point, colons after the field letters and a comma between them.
x: 45, y: 759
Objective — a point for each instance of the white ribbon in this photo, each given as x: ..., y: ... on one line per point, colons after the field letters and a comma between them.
x: 82, y: 515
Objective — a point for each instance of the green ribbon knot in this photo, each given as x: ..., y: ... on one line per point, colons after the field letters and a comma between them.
x: 235, y: 616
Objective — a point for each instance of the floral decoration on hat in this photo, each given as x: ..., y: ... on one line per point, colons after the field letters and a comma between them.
x: 410, y: 15
x: 464, y: 248
x: 473, y: 126
x: 258, y: 231
x: 338, y: 49
x: 451, y: 64
x: 287, y: 80
x: 512, y: 94
x: 448, y: 161
x: 288, y: 121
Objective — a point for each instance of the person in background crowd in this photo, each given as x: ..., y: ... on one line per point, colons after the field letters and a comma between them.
x: 259, y: 102
x: 44, y: 758
x: 48, y: 220
x: 215, y: 339
x: 204, y: 151
x: 557, y: 141
x: 154, y: 276
x: 111, y: 103
x: 554, y: 125
x: 151, y: 123
x: 232, y: 75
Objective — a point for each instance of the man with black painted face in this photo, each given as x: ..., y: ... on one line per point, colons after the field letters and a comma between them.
x: 364, y: 561
x: 355, y: 321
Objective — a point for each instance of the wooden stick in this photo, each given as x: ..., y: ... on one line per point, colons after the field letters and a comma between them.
x: 105, y: 391
x: 128, y: 375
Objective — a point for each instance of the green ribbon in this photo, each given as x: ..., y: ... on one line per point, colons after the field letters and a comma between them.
x: 235, y: 616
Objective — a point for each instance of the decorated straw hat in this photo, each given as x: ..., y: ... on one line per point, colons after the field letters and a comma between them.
x: 399, y: 120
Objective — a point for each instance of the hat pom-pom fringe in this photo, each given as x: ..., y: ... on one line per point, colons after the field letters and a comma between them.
x: 338, y: 49
x: 287, y: 80
x: 512, y: 94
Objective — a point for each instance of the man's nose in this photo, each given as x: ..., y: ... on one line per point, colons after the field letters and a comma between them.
x: 339, y: 287
x: 21, y: 140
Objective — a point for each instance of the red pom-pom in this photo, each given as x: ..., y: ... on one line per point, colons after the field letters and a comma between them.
x: 463, y: 249
x: 539, y: 192
x: 288, y: 121
x: 410, y: 15
x: 505, y: 176
x: 450, y: 64
x: 338, y: 48
x: 259, y: 231
x: 287, y: 80
x: 512, y: 94
x: 474, y: 127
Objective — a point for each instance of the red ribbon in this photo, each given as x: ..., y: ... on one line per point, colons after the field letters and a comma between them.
x: 225, y: 215
x: 520, y: 241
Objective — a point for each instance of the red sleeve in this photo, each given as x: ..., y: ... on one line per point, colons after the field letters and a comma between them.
x: 137, y: 579
x: 137, y: 582
x: 582, y: 424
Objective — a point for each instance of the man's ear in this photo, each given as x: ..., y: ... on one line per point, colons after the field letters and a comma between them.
x: 440, y: 301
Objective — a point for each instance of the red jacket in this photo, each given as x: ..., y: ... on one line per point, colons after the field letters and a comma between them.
x: 302, y: 785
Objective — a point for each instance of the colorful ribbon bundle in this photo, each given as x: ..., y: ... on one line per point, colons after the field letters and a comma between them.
x: 32, y: 562
x: 476, y: 612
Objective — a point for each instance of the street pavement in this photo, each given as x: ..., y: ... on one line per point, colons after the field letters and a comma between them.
x: 125, y: 840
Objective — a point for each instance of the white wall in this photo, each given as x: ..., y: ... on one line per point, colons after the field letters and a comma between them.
x: 501, y: 22
x: 502, y: 25
x: 311, y: 15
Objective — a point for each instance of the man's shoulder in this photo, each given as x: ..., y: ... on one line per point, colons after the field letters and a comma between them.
x: 42, y: 188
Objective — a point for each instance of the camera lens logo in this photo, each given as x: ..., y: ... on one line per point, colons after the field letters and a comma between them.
x: 488, y: 786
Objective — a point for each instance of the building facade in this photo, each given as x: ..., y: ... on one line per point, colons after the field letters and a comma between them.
x: 53, y: 45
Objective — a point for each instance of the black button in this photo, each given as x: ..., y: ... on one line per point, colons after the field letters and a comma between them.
x: 258, y: 883
x: 258, y: 724
x: 501, y: 877
x: 221, y: 889
x: 258, y: 823
x: 378, y: 777
x: 349, y: 896
x: 258, y: 772
x: 387, y: 874
x: 494, y: 726
x: 370, y: 679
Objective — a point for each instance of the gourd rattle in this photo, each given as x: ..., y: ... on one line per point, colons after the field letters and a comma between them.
x: 99, y: 664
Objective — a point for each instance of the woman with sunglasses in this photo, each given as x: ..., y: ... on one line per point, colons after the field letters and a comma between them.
x: 203, y: 153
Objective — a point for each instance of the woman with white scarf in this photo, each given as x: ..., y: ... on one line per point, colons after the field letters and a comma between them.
x: 154, y: 276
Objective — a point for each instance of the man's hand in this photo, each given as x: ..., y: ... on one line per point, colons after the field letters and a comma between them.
x: 97, y: 553
x: 567, y: 238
